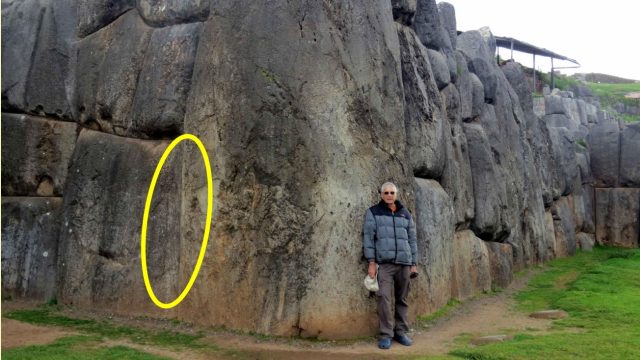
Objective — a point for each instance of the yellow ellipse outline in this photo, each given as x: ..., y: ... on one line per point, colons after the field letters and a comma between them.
x: 145, y: 218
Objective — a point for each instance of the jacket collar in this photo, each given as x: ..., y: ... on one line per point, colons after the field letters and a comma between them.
x: 383, y: 205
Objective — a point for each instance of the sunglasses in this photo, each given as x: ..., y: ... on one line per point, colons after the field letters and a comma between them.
x: 389, y: 192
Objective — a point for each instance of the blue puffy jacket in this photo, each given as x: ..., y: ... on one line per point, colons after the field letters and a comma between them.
x: 389, y: 237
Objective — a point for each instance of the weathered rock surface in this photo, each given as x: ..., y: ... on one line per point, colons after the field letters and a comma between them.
x: 471, y: 271
x: 630, y: 156
x: 456, y: 178
x: 501, y: 261
x: 604, y: 150
x: 566, y: 169
x: 586, y: 241
x: 99, y: 260
x: 404, y: 11
x: 488, y: 187
x: 434, y: 220
x: 169, y: 12
x: 448, y: 20
x: 165, y: 78
x: 35, y: 155
x: 429, y: 26
x: 30, y: 246
x: 480, y: 61
x: 290, y: 170
x: 46, y: 92
x: 108, y: 68
x: 440, y: 68
x: 617, y: 220
x: 95, y: 15
x: 20, y: 30
x: 554, y: 104
x: 564, y: 227
x: 424, y: 121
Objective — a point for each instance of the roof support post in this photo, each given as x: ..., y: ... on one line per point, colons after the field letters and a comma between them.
x: 511, y: 49
x: 534, y: 74
x: 553, y: 79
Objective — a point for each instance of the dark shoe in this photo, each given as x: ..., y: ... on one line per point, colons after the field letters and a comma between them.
x: 403, y: 339
x: 384, y: 343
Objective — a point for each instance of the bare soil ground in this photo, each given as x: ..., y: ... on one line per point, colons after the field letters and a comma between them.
x: 485, y: 315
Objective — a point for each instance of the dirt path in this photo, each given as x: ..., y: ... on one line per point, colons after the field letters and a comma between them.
x: 16, y: 333
x: 486, y: 315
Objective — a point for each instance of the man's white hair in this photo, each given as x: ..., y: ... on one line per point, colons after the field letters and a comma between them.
x: 387, y: 184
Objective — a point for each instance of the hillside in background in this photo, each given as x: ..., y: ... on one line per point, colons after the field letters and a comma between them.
x: 603, y: 78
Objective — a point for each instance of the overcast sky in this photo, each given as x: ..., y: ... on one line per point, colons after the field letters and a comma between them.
x: 603, y: 36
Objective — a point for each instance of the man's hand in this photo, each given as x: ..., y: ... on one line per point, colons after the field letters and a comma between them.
x: 414, y: 270
x: 372, y: 269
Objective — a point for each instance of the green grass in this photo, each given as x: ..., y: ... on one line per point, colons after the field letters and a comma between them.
x: 601, y: 293
x: 611, y: 94
x: 76, y: 348
x: 426, y: 320
x: 48, y: 315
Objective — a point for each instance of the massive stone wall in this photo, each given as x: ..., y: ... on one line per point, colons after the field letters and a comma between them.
x: 305, y: 108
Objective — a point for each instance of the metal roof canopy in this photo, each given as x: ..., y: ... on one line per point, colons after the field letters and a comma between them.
x: 515, y: 44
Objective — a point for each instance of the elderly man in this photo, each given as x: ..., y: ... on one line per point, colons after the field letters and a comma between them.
x: 389, y: 245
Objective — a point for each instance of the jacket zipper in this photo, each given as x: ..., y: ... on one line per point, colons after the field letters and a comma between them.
x: 393, y: 217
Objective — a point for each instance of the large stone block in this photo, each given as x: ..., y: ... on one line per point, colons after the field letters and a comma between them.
x: 47, y: 90
x: 99, y: 260
x: 301, y: 173
x: 501, y: 260
x: 429, y: 27
x: 435, y: 226
x: 564, y: 227
x: 480, y: 61
x: 488, y: 188
x: 30, y: 246
x: 617, y: 219
x: 471, y: 270
x: 448, y: 20
x: 109, y: 65
x: 35, y: 155
x: 560, y: 120
x: 423, y: 115
x: 554, y: 104
x: 456, y: 178
x: 630, y: 156
x: 165, y: 79
x: 20, y: 30
x: 440, y: 68
x: 604, y: 151
x: 565, y: 163
x: 95, y: 15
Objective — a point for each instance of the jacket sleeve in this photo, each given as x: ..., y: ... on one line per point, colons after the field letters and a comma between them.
x: 413, y: 242
x: 369, y: 231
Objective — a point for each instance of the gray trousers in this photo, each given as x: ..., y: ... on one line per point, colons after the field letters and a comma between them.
x: 393, y: 281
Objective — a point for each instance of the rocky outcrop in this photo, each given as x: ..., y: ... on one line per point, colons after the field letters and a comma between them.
x: 305, y: 109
